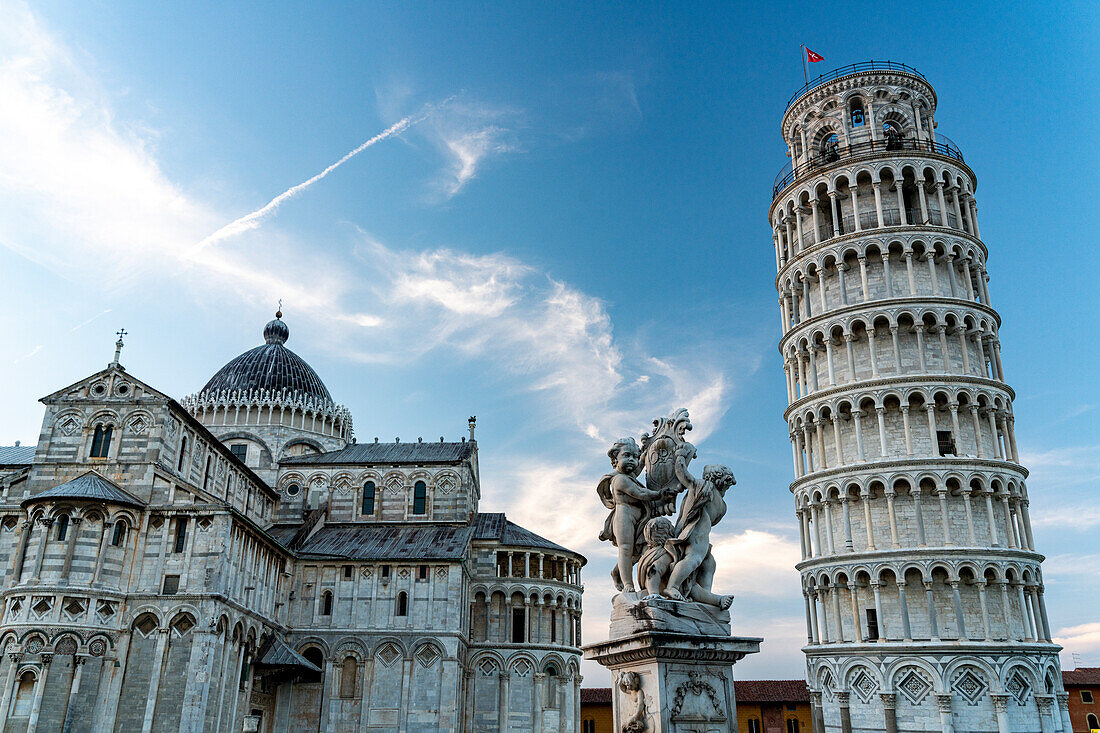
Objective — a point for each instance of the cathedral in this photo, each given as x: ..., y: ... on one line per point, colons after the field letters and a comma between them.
x: 237, y: 561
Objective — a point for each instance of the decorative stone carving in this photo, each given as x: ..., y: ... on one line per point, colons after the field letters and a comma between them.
x: 631, y: 684
x: 696, y: 699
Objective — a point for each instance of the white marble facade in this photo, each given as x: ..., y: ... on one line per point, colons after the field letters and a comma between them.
x: 923, y: 587
x: 235, y: 561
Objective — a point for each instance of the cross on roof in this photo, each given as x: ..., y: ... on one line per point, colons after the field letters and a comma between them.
x: 118, y: 344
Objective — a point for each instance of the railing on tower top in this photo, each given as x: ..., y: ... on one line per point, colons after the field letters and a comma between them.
x: 788, y: 174
x: 852, y: 69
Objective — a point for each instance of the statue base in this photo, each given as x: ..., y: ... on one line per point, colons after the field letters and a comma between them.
x: 633, y: 613
x: 669, y: 682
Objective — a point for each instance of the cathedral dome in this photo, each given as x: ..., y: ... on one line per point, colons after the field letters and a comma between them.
x: 271, y: 367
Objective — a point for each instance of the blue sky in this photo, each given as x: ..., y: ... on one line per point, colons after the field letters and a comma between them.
x: 569, y: 239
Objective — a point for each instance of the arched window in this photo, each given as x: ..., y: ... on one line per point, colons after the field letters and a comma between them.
x: 858, y: 120
x: 315, y: 657
x: 24, y: 695
x: 206, y: 474
x: 792, y: 725
x: 326, y: 603
x: 101, y: 441
x: 62, y: 526
x: 119, y: 535
x: 754, y: 725
x: 830, y: 147
x: 183, y: 454
x: 420, y: 498
x: 402, y: 604
x: 349, y: 677
x: 368, y: 498
x: 1092, y: 722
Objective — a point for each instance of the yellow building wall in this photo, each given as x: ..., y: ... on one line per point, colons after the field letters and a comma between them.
x: 600, y: 714
x: 773, y: 717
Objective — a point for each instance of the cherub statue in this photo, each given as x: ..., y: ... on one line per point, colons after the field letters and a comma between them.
x: 631, y: 684
x: 630, y: 505
x: 703, y: 506
x: 656, y: 562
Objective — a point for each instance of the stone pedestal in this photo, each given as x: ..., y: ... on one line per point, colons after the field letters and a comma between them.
x: 667, y: 677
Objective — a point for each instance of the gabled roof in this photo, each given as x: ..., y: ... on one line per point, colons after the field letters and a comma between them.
x: 17, y: 455
x: 102, y: 373
x: 1081, y: 676
x: 495, y: 526
x: 389, y: 454
x: 382, y: 541
x: 88, y: 487
x: 276, y: 653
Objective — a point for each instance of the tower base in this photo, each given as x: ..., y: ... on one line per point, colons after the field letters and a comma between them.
x: 667, y: 682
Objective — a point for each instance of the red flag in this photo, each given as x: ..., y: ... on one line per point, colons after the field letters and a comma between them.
x: 812, y: 57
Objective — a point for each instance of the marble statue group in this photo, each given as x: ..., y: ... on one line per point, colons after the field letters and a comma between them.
x: 673, y: 559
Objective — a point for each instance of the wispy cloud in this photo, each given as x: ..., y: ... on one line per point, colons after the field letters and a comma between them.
x: 469, y: 133
x: 82, y: 324
x: 1078, y: 516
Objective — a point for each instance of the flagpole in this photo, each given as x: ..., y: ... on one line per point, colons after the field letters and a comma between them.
x: 805, y: 74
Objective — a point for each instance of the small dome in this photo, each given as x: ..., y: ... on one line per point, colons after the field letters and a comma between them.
x: 271, y: 367
x: 276, y: 332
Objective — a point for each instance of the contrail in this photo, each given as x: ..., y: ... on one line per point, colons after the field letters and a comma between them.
x: 252, y: 220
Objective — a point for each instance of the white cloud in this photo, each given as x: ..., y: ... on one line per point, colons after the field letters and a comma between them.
x: 1083, y: 639
x: 1079, y: 517
x: 756, y: 562
x: 469, y: 133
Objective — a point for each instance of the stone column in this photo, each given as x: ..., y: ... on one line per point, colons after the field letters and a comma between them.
x: 960, y: 620
x: 865, y: 495
x: 985, y: 609
x: 881, y: 413
x: 930, y: 598
x: 154, y: 677
x: 853, y: 598
x: 856, y: 415
x: 906, y: 630
x: 944, y: 702
x: 74, y: 690
x: 1046, y: 712
x: 847, y: 516
x: 20, y: 553
x: 945, y: 519
x: 880, y: 618
x: 845, y: 712
x: 14, y: 658
x: 39, y: 688
x: 40, y: 555
x: 889, y: 709
x: 906, y: 430
x: 817, y: 713
x: 877, y: 185
x: 502, y: 710
x: 890, y: 494
x: 1000, y: 705
x: 74, y: 532
x: 1063, y: 709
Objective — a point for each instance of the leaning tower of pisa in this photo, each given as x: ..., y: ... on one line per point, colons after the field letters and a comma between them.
x: 922, y: 583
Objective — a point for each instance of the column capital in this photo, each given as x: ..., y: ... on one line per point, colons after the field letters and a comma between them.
x: 843, y: 698
x: 889, y: 700
x: 944, y: 702
x: 1000, y: 702
x: 46, y: 657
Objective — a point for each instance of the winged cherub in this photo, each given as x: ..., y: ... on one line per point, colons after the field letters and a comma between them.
x: 629, y: 502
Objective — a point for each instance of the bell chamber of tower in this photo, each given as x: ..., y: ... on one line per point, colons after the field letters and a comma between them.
x: 923, y: 587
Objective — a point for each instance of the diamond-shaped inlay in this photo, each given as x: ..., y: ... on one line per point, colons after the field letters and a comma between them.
x: 404, y: 573
x: 388, y: 654
x: 69, y: 425
x: 138, y: 424
x: 1018, y: 687
x: 521, y: 668
x: 445, y: 485
x: 366, y: 572
x: 487, y: 667
x: 395, y: 484
x: 915, y: 687
x: 42, y: 606
x: 74, y: 607
x: 864, y: 685
x: 427, y: 655
x: 441, y: 573
x: 970, y: 686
